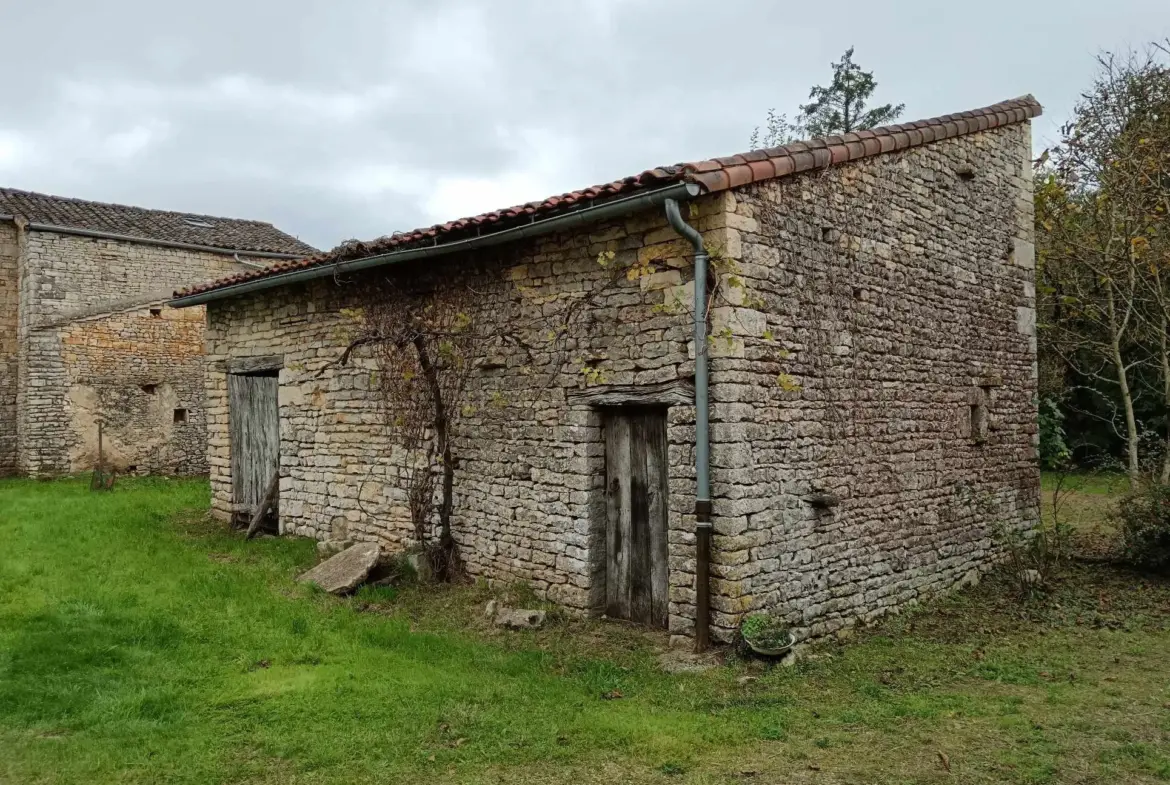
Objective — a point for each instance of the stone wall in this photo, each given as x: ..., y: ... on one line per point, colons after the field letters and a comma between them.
x: 530, y: 474
x: 141, y: 372
x: 9, y: 308
x: 886, y: 358
x: 879, y: 312
x: 68, y: 281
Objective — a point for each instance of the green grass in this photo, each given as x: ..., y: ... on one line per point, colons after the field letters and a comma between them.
x: 1085, y: 483
x: 143, y: 643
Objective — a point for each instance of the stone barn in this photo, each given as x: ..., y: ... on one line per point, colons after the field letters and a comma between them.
x: 839, y: 428
x: 85, y: 333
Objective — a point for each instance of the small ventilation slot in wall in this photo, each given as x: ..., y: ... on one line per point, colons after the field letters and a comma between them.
x: 966, y: 174
x: 150, y: 389
x: 980, y: 398
x: 180, y: 415
x: 492, y: 362
x: 156, y: 313
x: 829, y: 234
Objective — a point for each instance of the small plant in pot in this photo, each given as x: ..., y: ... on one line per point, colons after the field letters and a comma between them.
x: 766, y: 634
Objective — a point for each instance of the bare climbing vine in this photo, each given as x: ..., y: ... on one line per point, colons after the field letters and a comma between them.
x: 428, y: 333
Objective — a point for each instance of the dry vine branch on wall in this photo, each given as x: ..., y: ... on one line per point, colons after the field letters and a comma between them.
x: 427, y: 332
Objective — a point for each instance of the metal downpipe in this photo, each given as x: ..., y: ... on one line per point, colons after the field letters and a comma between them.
x: 703, y: 526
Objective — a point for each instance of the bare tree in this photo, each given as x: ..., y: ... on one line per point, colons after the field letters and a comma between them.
x: 1102, y: 202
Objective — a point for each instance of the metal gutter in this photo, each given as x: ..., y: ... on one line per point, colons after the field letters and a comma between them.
x: 598, y: 212
x: 126, y: 238
x: 703, y: 526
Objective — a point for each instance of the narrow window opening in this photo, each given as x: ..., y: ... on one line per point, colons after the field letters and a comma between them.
x: 180, y: 415
x: 976, y: 419
x: 156, y: 313
x: 978, y: 412
x: 150, y: 389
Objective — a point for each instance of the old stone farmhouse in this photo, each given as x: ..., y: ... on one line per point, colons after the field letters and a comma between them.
x: 864, y: 378
x: 85, y: 334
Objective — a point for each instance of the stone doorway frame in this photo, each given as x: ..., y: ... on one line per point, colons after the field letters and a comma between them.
x: 586, y: 408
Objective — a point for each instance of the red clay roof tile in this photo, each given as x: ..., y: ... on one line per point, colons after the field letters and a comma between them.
x: 784, y: 165
x: 714, y: 175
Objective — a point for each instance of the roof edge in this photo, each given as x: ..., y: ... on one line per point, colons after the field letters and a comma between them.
x: 721, y: 174
x: 73, y: 230
x: 718, y: 174
x: 258, y: 280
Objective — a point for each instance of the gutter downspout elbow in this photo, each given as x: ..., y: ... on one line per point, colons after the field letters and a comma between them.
x: 703, y: 525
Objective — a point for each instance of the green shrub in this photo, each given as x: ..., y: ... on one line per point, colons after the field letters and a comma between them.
x: 1144, y: 519
x: 767, y: 630
x: 1054, y: 450
x: 1034, y: 556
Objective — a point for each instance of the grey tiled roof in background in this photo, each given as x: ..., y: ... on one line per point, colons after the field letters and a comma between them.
x: 163, y: 225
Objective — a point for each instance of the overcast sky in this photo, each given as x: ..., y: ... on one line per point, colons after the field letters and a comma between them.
x: 356, y: 118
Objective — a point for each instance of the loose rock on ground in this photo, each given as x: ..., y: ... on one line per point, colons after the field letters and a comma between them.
x: 346, y: 571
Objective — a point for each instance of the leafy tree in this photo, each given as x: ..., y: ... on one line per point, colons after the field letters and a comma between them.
x: 778, y: 130
x: 841, y: 107
x: 836, y: 109
x: 1103, y: 248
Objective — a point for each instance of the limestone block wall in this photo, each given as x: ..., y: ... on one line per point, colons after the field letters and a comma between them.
x: 873, y: 380
x: 886, y: 357
x: 9, y: 308
x: 140, y: 371
x: 67, y: 280
x: 529, y: 482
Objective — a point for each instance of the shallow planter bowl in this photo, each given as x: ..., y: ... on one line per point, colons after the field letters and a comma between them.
x: 770, y: 651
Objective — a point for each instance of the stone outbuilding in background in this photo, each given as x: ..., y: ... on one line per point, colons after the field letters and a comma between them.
x: 85, y: 333
x: 872, y: 381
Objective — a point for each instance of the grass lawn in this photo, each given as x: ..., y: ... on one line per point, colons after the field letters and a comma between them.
x: 142, y: 643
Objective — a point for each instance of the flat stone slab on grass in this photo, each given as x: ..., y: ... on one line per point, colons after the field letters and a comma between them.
x: 519, y: 619
x: 347, y: 570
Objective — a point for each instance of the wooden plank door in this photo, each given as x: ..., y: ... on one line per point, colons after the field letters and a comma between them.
x: 636, y: 584
x: 255, y: 433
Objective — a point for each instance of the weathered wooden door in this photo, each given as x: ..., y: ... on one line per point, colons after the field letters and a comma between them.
x: 636, y: 584
x: 255, y: 426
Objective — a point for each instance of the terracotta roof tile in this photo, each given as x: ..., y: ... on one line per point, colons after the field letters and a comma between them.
x: 762, y: 170
x: 714, y: 175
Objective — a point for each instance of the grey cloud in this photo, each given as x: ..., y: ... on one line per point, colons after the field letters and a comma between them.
x: 355, y: 118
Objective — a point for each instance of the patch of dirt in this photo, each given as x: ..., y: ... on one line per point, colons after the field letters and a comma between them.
x: 678, y: 660
x: 460, y: 608
x: 53, y: 735
x: 197, y: 523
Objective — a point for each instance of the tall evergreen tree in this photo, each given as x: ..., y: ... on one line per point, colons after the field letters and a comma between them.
x: 841, y: 107
x: 836, y: 109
